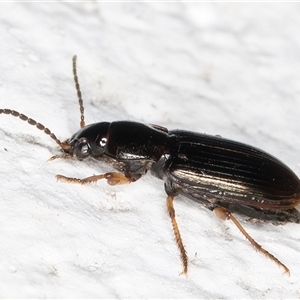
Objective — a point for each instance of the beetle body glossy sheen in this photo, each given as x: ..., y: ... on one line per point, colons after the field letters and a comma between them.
x: 209, y: 169
x: 224, y: 175
x: 221, y: 172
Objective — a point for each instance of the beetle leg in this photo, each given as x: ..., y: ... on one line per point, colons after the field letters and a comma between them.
x: 225, y: 214
x: 183, y: 255
x: 112, y: 178
x: 63, y: 156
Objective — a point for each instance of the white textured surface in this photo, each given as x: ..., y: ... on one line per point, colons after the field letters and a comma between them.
x: 222, y: 68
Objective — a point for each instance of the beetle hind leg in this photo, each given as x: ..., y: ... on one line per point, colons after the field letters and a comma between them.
x: 225, y: 214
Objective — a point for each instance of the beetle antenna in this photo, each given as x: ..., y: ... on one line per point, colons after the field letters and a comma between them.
x: 39, y: 126
x: 82, y: 123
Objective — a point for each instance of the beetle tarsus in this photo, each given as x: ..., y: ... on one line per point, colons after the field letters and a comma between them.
x: 63, y: 156
x: 225, y: 214
x: 112, y: 178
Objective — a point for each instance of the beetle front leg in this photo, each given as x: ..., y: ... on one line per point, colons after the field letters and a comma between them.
x: 112, y: 178
x: 225, y: 214
x: 183, y: 255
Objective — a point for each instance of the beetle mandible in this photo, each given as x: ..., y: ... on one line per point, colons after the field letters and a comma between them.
x: 225, y: 176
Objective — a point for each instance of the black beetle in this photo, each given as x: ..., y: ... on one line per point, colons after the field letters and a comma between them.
x: 224, y: 175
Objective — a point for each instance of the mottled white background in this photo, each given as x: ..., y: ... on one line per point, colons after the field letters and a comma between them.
x: 222, y: 68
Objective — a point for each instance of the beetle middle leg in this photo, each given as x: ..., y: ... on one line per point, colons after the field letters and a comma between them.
x: 225, y: 214
x: 112, y: 178
x: 183, y: 255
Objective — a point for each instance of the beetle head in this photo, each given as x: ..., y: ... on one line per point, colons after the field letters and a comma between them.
x: 88, y: 141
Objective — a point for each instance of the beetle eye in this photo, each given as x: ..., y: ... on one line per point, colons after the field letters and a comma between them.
x: 102, y: 142
x: 82, y: 148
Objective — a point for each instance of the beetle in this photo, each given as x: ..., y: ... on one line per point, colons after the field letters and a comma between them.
x: 225, y: 176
